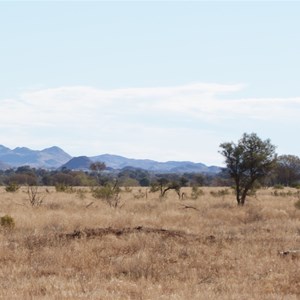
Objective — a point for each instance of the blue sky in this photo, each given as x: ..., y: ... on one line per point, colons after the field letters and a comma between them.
x: 159, y: 80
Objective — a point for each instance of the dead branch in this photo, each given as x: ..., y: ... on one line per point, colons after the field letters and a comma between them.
x: 87, y: 206
x: 188, y: 206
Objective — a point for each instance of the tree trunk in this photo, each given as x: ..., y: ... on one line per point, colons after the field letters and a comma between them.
x: 240, y: 203
x: 238, y: 192
x: 238, y: 199
x: 165, y: 190
x: 243, y: 200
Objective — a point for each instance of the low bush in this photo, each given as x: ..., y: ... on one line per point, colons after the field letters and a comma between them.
x: 81, y: 194
x: 296, y: 186
x: 297, y: 204
x: 196, y: 192
x: 282, y: 194
x: 109, y: 194
x: 64, y: 188
x: 140, y: 194
x: 278, y: 187
x: 220, y: 193
x: 7, y: 222
x: 12, y: 187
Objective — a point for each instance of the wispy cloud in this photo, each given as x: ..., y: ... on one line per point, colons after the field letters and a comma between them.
x: 70, y: 104
x: 127, y: 119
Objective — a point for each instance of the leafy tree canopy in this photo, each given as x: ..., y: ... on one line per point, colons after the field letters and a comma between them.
x: 248, y: 161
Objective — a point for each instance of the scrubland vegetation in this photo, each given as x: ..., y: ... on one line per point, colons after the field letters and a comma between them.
x: 76, y: 246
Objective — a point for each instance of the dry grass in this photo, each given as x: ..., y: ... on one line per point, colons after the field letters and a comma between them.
x: 71, y: 248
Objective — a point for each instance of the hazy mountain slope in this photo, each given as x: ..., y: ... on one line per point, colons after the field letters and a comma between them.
x: 78, y: 163
x: 55, y: 157
x: 48, y: 158
x: 4, y: 166
x: 119, y: 162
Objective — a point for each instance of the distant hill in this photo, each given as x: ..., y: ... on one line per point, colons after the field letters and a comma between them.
x: 78, y: 163
x: 4, y: 166
x: 49, y: 158
x: 120, y: 162
x: 54, y: 158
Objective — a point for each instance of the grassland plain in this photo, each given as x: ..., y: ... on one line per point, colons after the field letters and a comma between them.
x: 76, y: 247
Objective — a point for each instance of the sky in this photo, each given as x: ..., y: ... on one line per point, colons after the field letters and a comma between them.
x: 160, y: 80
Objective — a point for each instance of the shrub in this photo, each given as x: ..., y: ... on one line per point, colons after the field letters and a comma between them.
x: 220, y: 193
x: 140, y: 194
x: 127, y: 189
x: 64, y: 188
x: 297, y: 204
x: 154, y: 187
x: 109, y: 194
x: 81, y: 194
x: 7, y: 222
x: 296, y: 186
x: 196, y: 192
x: 278, y: 187
x: 12, y: 187
x: 282, y: 194
x: 34, y: 196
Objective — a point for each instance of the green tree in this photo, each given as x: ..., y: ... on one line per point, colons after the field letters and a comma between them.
x: 287, y: 170
x: 247, y: 161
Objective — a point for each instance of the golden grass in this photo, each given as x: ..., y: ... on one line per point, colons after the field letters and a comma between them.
x: 210, y: 249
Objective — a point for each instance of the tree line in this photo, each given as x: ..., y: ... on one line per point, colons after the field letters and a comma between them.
x: 26, y: 175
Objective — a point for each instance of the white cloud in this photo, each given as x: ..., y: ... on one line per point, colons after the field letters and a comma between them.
x: 137, y: 120
x: 65, y: 105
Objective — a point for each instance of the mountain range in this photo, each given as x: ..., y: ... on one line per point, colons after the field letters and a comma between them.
x: 55, y: 158
x: 49, y: 158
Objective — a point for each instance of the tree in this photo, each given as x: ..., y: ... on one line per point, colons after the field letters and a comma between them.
x: 287, y: 170
x: 163, y: 185
x: 98, y: 167
x: 247, y: 161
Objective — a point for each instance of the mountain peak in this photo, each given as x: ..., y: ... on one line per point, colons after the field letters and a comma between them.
x: 4, y: 149
x: 52, y: 157
x: 22, y: 150
x: 78, y: 163
x: 53, y: 150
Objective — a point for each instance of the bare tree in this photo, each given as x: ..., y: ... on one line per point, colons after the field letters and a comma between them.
x: 34, y: 196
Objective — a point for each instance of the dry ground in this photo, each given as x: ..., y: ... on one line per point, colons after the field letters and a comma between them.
x: 70, y: 248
